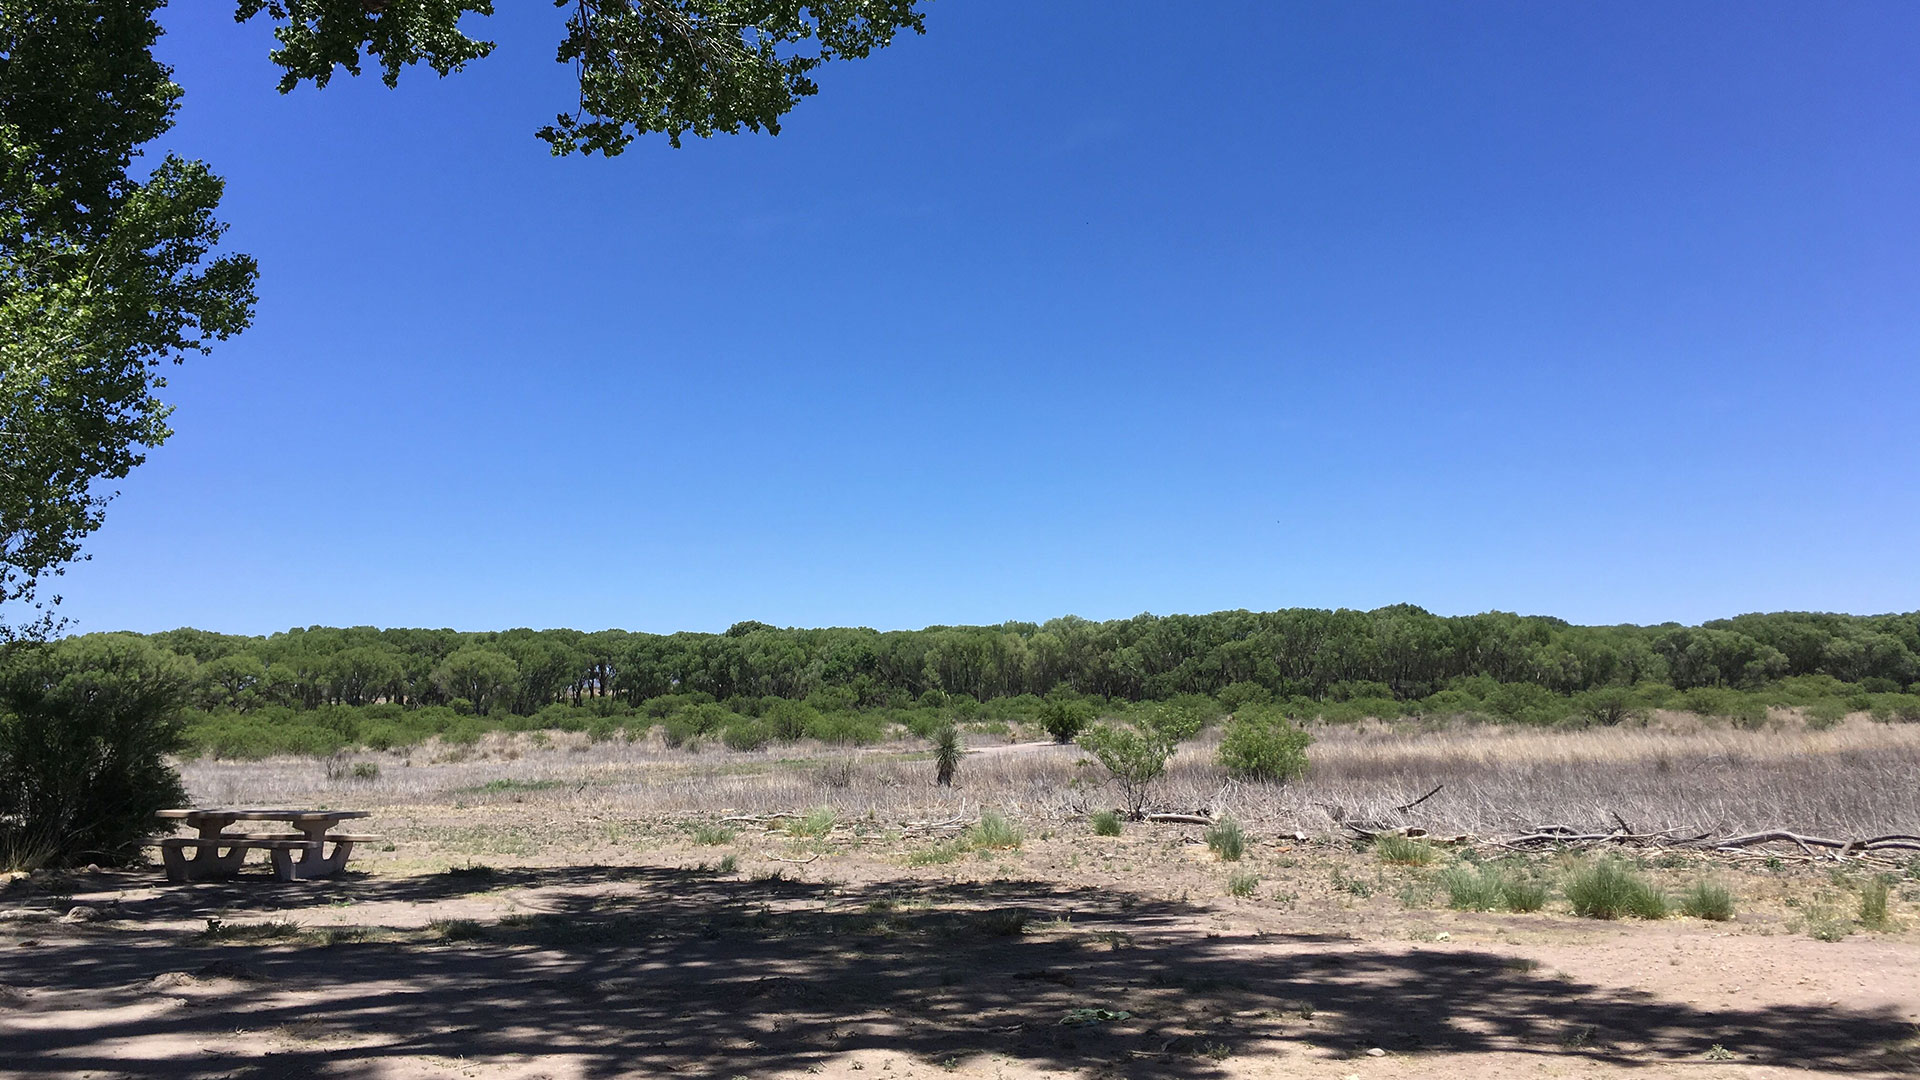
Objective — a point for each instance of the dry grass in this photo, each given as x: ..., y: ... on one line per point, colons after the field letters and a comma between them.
x: 1678, y: 772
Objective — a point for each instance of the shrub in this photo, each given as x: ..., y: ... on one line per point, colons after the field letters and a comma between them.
x: 1522, y: 894
x: 744, y: 734
x: 993, y: 832
x: 1402, y: 850
x: 1261, y: 745
x: 1064, y: 716
x: 1105, y: 822
x: 1135, y: 757
x: 366, y: 770
x: 1826, y: 714
x: 86, y: 725
x: 1608, y: 706
x: 1234, y: 695
x: 1609, y: 889
x: 1242, y: 883
x: 1227, y: 839
x: 1707, y: 900
x: 947, y: 749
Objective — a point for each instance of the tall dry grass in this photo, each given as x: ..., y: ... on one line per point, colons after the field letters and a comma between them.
x: 1856, y: 779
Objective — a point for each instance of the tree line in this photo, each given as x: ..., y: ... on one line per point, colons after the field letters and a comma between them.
x: 1402, y: 653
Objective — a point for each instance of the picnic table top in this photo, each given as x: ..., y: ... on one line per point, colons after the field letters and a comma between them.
x: 255, y: 814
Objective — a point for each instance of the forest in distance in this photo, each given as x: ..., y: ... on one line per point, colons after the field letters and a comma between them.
x: 322, y: 689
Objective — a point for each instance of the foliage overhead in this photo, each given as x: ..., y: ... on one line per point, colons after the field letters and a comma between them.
x: 105, y: 275
x: 668, y: 66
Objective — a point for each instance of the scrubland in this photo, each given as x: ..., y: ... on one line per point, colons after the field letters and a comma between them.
x: 549, y: 904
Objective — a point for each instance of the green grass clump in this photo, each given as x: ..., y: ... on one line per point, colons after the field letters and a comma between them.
x: 1227, y: 840
x: 1242, y: 883
x: 1489, y: 888
x: 993, y: 832
x: 1106, y: 823
x: 272, y: 930
x: 936, y: 855
x: 713, y: 835
x: 1873, y: 905
x: 815, y: 824
x: 1707, y: 900
x: 1609, y: 889
x: 1402, y: 850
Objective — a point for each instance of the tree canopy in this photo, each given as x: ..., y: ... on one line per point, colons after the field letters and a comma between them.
x: 105, y: 275
x: 108, y: 272
x: 667, y: 66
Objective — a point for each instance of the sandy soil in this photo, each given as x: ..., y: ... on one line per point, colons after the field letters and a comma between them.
x: 563, y: 946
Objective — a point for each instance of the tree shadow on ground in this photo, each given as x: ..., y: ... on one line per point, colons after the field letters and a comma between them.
x: 704, y: 975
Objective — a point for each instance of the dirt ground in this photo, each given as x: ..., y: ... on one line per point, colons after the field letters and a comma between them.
x: 537, y: 934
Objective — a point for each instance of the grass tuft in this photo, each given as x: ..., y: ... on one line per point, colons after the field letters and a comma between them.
x: 1609, y: 889
x: 457, y: 929
x: 994, y: 833
x: 713, y: 835
x: 1489, y: 888
x: 1402, y: 850
x: 1707, y: 900
x: 815, y: 824
x: 1873, y: 905
x: 1242, y: 883
x: 1227, y: 840
x: 1106, y: 823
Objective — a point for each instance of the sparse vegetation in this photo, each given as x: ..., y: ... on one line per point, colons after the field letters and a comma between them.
x: 1874, y: 914
x: 1607, y: 888
x: 1403, y: 850
x: 813, y: 824
x: 1227, y: 840
x: 947, y: 749
x: 1242, y: 883
x: 713, y: 835
x: 1491, y: 888
x: 1106, y: 822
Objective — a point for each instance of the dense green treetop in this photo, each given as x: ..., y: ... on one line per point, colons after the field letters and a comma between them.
x: 1399, y: 652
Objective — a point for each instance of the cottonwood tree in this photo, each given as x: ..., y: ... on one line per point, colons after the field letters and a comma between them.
x: 107, y: 275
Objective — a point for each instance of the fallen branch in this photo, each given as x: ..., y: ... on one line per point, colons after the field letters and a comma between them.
x: 1180, y: 819
x: 1436, y: 790
x: 800, y: 862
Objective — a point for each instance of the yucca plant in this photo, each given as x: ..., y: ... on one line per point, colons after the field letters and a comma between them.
x: 947, y: 749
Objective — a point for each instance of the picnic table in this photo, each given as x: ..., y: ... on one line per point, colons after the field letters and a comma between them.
x: 216, y: 853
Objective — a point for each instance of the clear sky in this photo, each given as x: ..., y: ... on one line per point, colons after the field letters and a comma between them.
x: 1604, y: 311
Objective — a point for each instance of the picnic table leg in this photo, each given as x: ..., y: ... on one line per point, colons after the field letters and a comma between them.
x: 207, y: 861
x: 315, y: 861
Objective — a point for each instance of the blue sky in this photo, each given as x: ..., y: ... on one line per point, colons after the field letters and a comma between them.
x: 1609, y: 312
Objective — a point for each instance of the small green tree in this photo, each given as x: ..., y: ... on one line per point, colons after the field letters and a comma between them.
x: 1135, y: 756
x: 1262, y: 745
x: 1609, y: 706
x: 86, y: 725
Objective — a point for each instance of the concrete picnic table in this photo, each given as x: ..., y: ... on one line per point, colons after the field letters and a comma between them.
x: 218, y: 853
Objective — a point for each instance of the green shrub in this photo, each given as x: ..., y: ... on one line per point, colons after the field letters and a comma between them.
x: 1134, y: 756
x: 1608, y: 706
x: 86, y: 725
x: 744, y: 734
x: 1260, y: 744
x: 1402, y: 850
x: 847, y: 729
x: 1825, y: 714
x: 1522, y: 894
x: 993, y: 832
x: 1227, y: 840
x: 1064, y: 716
x: 1609, y: 889
x: 1241, y: 883
x: 1707, y: 900
x: 1105, y: 822
x: 366, y: 770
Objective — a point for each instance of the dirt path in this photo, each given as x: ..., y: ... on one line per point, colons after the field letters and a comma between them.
x: 1073, y: 957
